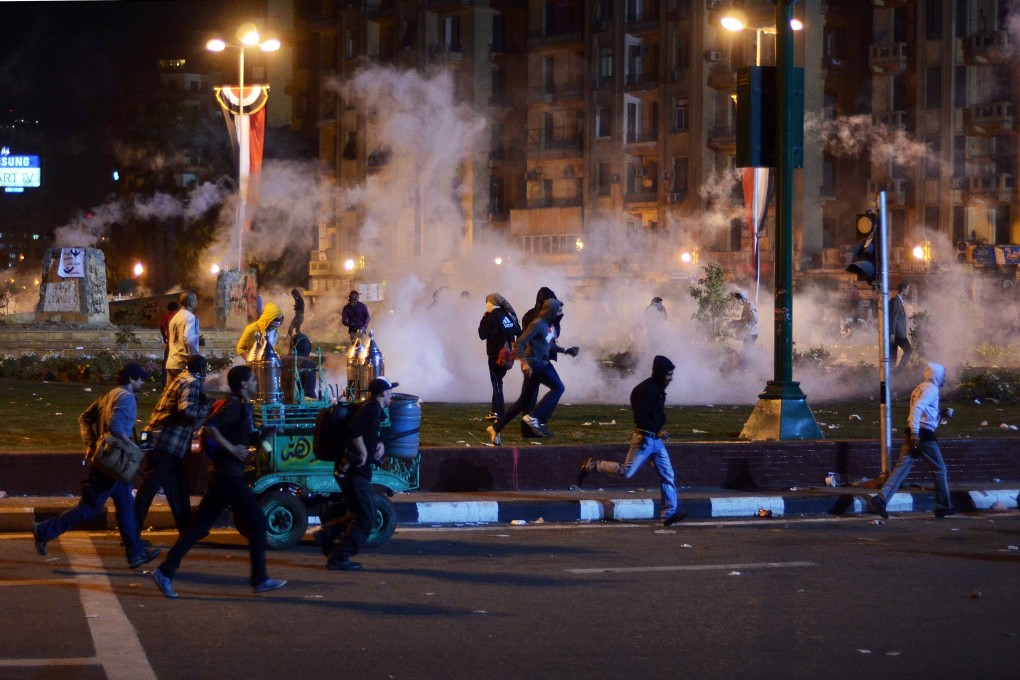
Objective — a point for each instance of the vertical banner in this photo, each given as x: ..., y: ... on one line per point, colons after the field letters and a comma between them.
x: 759, y: 185
x: 247, y: 136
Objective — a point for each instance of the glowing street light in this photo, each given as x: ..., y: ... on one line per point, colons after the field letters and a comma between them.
x: 498, y: 261
x: 215, y: 269
x: 248, y: 36
x: 922, y: 251
x: 138, y: 269
x: 349, y: 264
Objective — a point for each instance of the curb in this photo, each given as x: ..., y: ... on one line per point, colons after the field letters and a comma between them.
x: 20, y: 517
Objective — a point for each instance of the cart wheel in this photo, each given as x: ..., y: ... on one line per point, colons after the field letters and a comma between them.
x: 286, y: 519
x: 385, y: 522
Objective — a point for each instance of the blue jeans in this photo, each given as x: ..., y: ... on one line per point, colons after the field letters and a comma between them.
x: 642, y: 448
x: 529, y: 395
x: 930, y: 450
x: 95, y: 490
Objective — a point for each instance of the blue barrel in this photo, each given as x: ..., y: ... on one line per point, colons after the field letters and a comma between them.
x: 401, y: 437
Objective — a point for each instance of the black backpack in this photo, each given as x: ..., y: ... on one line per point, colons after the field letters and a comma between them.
x: 330, y: 438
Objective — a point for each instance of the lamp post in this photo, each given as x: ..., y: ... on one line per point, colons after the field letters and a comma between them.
x: 782, y: 412
x: 247, y: 36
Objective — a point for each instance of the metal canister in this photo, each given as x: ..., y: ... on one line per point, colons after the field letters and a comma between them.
x: 267, y: 369
x: 375, y: 359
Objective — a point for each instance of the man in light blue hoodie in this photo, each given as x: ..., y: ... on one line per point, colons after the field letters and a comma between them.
x: 919, y: 440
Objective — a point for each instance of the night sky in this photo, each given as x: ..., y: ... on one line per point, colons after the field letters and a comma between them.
x: 65, y: 63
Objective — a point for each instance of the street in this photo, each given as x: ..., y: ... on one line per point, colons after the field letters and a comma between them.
x: 823, y: 597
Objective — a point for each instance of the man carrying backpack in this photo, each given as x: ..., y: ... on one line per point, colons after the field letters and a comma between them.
x: 181, y: 407
x: 232, y: 428
x: 499, y: 329
x: 343, y: 538
x: 113, y: 415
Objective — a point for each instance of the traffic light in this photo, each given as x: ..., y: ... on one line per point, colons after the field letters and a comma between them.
x: 863, y: 262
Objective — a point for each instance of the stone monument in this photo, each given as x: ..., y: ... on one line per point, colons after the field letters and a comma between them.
x: 73, y: 287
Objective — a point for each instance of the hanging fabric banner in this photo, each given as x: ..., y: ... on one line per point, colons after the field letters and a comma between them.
x: 759, y: 186
x: 247, y: 136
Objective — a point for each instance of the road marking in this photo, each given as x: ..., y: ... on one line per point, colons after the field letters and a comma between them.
x: 37, y: 582
x: 118, y: 648
x: 692, y: 567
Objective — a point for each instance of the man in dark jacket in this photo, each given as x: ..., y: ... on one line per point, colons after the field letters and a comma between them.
x: 536, y: 348
x: 343, y: 538
x: 232, y: 429
x: 898, y: 322
x: 498, y: 328
x: 355, y: 315
x: 648, y: 403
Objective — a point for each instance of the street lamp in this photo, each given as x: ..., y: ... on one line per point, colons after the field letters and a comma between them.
x: 922, y: 251
x: 247, y: 36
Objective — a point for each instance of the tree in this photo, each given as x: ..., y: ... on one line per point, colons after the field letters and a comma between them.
x: 714, y: 301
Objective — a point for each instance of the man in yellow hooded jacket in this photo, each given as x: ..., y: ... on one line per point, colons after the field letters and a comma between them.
x: 260, y: 332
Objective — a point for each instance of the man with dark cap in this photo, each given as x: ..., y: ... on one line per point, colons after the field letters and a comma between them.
x: 299, y: 313
x: 499, y: 329
x: 343, y: 538
x: 648, y: 403
x: 355, y: 315
x: 114, y: 413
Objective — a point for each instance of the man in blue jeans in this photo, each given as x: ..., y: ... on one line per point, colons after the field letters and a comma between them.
x: 648, y: 403
x: 919, y: 441
x: 113, y: 413
x: 536, y: 348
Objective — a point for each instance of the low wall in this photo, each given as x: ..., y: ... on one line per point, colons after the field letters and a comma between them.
x: 770, y: 465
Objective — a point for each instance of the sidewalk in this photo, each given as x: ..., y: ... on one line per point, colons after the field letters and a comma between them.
x: 573, y: 505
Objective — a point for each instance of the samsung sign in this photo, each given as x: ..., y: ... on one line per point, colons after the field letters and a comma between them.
x: 18, y: 172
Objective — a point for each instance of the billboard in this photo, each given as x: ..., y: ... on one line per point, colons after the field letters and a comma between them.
x: 19, y: 171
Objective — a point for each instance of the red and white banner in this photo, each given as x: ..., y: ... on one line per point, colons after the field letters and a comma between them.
x: 247, y: 135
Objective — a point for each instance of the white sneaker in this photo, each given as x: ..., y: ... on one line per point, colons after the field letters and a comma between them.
x: 536, y: 426
x: 494, y: 437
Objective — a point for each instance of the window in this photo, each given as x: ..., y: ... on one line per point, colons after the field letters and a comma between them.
x: 931, y: 158
x: 681, y: 55
x: 933, y: 88
x: 605, y: 62
x: 451, y: 34
x: 961, y: 18
x: 603, y: 180
x: 931, y: 217
x: 959, y: 223
x: 681, y: 168
x: 959, y: 86
x: 828, y: 176
x: 603, y: 122
x: 680, y: 111
x: 959, y: 156
x: 933, y: 20
x: 548, y: 82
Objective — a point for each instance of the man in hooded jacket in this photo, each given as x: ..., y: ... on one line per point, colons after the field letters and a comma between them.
x: 497, y: 328
x: 536, y: 346
x: 648, y: 404
x: 262, y: 331
x: 919, y: 440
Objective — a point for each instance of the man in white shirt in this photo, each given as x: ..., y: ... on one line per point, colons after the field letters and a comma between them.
x: 184, y: 337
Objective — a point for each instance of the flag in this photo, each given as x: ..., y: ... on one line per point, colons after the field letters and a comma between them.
x: 759, y: 185
x: 247, y: 136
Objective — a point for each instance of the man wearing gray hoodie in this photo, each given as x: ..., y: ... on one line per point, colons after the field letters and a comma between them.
x: 919, y: 440
x: 536, y: 346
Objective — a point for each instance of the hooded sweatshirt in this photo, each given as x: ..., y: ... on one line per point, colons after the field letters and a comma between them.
x: 538, y: 340
x: 247, y: 341
x: 648, y: 399
x: 924, y: 400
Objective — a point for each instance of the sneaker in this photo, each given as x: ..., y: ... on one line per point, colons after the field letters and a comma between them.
x: 164, y: 584
x: 492, y: 417
x: 494, y: 437
x: 674, y: 518
x: 946, y: 512
x: 147, y: 555
x: 587, y: 465
x: 344, y: 565
x: 40, y: 544
x: 537, y: 427
x: 269, y: 584
x: 878, y: 506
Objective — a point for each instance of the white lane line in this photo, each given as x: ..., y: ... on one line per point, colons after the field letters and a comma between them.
x: 693, y: 567
x: 118, y: 648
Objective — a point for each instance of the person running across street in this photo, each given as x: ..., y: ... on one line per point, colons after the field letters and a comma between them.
x: 114, y: 413
x: 232, y: 429
x: 919, y: 440
x: 499, y: 329
x: 648, y: 403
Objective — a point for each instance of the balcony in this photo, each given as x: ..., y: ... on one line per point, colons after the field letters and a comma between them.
x: 556, y: 31
x: 562, y: 142
x: 897, y: 190
x: 987, y: 120
x: 723, y: 139
x: 895, y: 120
x: 641, y: 81
x: 985, y: 189
x: 888, y: 59
x: 641, y: 197
x: 644, y: 135
x: 987, y: 47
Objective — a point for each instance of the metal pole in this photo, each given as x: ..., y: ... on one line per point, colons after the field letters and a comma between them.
x: 882, y: 262
x: 756, y: 199
x: 242, y: 189
x: 783, y: 350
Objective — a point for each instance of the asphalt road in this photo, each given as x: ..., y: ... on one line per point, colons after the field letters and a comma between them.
x: 812, y: 598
